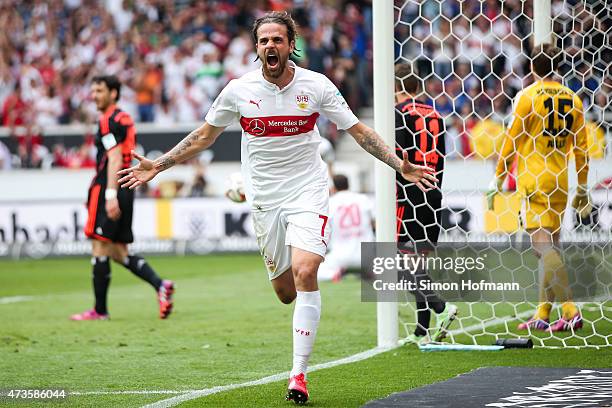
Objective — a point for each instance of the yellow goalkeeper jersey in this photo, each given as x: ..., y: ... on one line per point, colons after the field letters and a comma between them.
x: 547, y: 124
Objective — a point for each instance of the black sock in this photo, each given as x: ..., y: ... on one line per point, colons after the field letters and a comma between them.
x: 423, y: 315
x: 426, y: 301
x: 101, y: 281
x: 141, y: 268
x: 438, y: 306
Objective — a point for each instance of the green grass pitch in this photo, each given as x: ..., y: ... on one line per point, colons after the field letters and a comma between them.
x: 228, y: 327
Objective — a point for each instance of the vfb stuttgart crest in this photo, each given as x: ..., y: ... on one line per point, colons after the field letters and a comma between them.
x: 302, y: 101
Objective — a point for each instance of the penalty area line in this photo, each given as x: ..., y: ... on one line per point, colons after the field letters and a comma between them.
x: 171, y: 402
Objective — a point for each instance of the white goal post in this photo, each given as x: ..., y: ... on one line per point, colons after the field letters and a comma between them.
x: 384, y: 122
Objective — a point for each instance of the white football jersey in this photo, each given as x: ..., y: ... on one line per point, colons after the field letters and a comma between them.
x: 351, y: 216
x: 280, y: 140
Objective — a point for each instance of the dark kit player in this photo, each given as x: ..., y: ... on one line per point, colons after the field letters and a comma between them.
x: 419, y: 131
x: 109, y: 223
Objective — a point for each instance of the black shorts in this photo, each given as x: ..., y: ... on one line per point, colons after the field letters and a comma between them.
x: 102, y: 228
x: 418, y: 218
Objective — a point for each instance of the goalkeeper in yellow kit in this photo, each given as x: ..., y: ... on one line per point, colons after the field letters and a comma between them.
x: 548, y: 124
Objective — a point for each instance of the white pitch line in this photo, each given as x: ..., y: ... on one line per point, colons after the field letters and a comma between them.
x: 15, y: 299
x: 171, y: 402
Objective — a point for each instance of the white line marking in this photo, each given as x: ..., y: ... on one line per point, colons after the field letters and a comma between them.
x: 15, y: 299
x: 170, y: 402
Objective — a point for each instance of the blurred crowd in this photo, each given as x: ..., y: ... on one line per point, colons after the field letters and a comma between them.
x: 173, y: 57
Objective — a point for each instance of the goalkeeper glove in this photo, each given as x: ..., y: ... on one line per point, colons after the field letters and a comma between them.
x: 495, y: 187
x: 582, y: 201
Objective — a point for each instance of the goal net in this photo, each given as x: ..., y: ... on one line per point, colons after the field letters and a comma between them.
x: 474, y: 57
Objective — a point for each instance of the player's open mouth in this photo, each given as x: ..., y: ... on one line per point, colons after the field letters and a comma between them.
x: 272, y: 60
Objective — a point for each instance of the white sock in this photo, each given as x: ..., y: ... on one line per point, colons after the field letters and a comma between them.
x: 306, y: 316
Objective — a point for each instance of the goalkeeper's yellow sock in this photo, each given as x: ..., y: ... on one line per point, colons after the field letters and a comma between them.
x: 569, y: 310
x: 545, y: 294
x: 543, y: 311
x: 555, y: 275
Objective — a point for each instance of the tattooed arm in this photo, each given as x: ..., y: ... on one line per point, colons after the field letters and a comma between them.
x: 195, y: 142
x: 372, y: 143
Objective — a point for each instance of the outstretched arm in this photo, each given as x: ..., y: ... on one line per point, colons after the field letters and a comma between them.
x: 371, y: 142
x: 195, y: 142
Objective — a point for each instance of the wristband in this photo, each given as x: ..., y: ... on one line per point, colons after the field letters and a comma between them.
x: 110, y: 194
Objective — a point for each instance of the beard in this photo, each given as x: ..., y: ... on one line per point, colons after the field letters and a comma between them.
x: 276, y: 72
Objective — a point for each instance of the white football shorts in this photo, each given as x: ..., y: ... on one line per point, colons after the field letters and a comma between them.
x: 289, y: 226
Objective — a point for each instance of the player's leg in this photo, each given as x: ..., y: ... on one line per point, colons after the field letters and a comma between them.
x: 426, y: 301
x: 307, y: 312
x: 136, y: 264
x: 284, y: 287
x: 306, y: 317
x: 446, y: 312
x: 419, y: 227
x: 141, y: 268
x: 543, y: 222
x: 556, y: 274
x: 541, y: 241
x: 101, y: 276
x: 100, y: 252
x: 307, y: 233
x: 407, y: 231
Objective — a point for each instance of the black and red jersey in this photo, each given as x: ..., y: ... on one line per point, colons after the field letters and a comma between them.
x: 116, y: 130
x: 419, y: 130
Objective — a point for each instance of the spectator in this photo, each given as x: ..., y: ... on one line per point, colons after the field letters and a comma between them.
x: 198, y: 186
x: 209, y: 76
x: 48, y: 108
x: 148, y: 92
x: 192, y: 103
x: 163, y: 114
x: 14, y: 110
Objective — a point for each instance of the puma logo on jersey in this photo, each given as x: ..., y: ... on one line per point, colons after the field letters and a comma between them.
x: 255, y: 103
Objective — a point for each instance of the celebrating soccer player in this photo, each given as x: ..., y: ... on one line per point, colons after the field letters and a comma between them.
x: 548, y: 124
x: 286, y: 182
x: 419, y: 131
x: 109, y: 224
